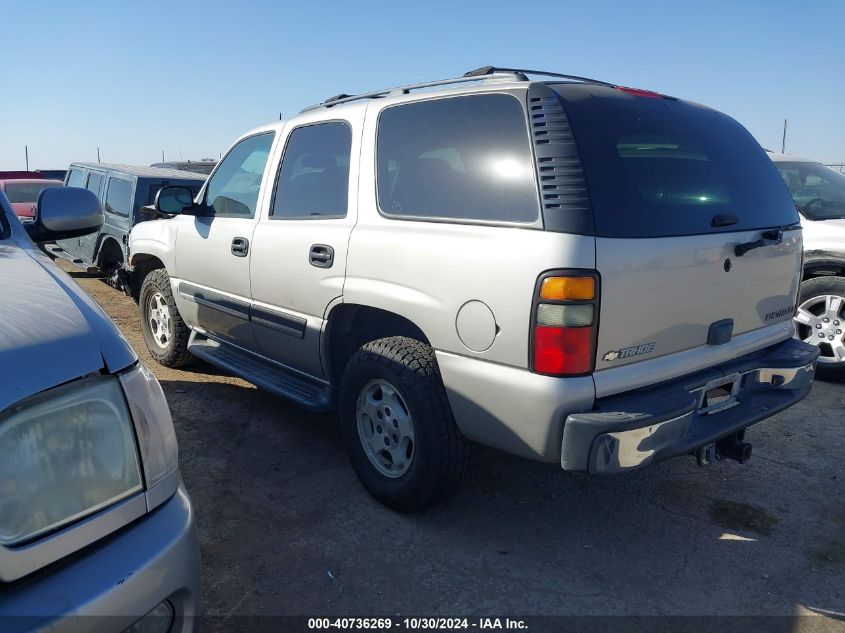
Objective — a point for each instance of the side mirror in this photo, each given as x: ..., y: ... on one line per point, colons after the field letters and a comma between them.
x: 174, y: 200
x: 65, y: 212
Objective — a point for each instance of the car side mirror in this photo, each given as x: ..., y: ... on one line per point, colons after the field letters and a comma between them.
x: 174, y: 200
x: 63, y: 213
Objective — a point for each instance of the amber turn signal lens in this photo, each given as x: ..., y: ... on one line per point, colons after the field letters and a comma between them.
x: 568, y: 288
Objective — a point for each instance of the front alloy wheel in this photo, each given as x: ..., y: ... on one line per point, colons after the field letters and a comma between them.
x: 159, y: 321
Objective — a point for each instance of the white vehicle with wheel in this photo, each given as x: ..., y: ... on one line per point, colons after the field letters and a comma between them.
x: 819, y: 195
x: 444, y: 264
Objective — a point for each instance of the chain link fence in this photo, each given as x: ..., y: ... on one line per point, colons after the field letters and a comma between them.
x: 840, y: 167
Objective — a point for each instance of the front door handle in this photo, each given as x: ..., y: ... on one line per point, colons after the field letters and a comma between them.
x: 240, y: 247
x: 321, y: 255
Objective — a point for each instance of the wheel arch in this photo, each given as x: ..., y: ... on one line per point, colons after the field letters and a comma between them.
x: 107, y: 243
x: 349, y: 326
x: 823, y: 264
x: 142, y: 265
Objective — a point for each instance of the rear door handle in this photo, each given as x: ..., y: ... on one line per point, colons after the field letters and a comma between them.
x: 321, y: 255
x: 240, y: 247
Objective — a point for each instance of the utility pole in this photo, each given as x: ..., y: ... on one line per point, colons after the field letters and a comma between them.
x: 26, y: 151
x: 162, y: 156
x: 783, y: 141
x: 98, y: 154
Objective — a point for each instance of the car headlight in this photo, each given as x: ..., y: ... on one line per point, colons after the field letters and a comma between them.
x: 65, y: 454
x: 156, y: 436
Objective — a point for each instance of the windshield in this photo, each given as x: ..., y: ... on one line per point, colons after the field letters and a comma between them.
x: 27, y: 191
x: 818, y: 191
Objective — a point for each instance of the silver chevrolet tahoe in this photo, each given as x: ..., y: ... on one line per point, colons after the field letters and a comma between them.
x: 94, y: 520
x: 573, y: 271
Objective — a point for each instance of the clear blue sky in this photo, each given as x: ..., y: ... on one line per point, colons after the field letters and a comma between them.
x: 136, y: 77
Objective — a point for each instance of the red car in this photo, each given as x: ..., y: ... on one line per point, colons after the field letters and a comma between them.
x: 23, y: 193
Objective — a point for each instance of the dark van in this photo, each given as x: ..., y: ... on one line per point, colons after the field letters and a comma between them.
x: 122, y: 190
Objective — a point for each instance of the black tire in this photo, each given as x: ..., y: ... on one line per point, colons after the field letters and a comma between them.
x: 110, y: 263
x: 440, y: 453
x: 175, y: 352
x: 819, y: 286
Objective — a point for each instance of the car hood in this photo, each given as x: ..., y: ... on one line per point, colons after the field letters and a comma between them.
x: 51, y: 332
x: 24, y: 209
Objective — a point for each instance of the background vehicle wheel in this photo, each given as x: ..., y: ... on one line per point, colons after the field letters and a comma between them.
x: 397, y: 425
x: 165, y: 334
x: 820, y: 321
x: 110, y: 263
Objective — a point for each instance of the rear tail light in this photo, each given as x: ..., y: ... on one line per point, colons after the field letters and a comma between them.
x: 563, y: 328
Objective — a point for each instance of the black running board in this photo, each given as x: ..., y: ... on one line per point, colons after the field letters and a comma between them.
x: 262, y: 373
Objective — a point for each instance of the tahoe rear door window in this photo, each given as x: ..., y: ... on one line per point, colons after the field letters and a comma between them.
x: 659, y: 167
x: 314, y: 175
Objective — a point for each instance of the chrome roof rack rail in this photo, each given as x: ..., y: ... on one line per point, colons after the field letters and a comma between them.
x: 489, y: 70
x: 479, y: 74
x: 344, y: 98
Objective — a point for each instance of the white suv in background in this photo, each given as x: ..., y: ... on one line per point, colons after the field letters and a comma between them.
x: 819, y: 195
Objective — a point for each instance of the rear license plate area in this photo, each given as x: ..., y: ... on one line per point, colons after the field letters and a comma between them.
x: 719, y: 395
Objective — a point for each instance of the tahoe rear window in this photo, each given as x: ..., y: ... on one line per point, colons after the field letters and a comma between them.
x: 459, y: 158
x: 662, y: 167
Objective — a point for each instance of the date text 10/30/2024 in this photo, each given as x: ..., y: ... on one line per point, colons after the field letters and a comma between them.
x: 411, y: 624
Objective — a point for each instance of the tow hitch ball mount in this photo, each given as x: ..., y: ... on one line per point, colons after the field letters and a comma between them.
x: 732, y: 447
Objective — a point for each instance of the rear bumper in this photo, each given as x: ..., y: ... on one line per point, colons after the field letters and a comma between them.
x: 112, y: 584
x: 631, y: 430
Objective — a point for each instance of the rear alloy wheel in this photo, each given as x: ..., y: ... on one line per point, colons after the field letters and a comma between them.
x: 820, y: 321
x: 385, y: 428
x: 165, y: 334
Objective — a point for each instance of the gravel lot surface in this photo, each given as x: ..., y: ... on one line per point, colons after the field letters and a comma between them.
x: 287, y: 529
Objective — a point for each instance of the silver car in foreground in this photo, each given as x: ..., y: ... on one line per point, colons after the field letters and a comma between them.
x: 819, y: 195
x: 96, y: 530
x: 574, y: 271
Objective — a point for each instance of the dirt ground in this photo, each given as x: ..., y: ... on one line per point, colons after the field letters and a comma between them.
x: 287, y: 529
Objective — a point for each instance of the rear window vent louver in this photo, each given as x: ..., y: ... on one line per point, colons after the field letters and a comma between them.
x: 563, y: 187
